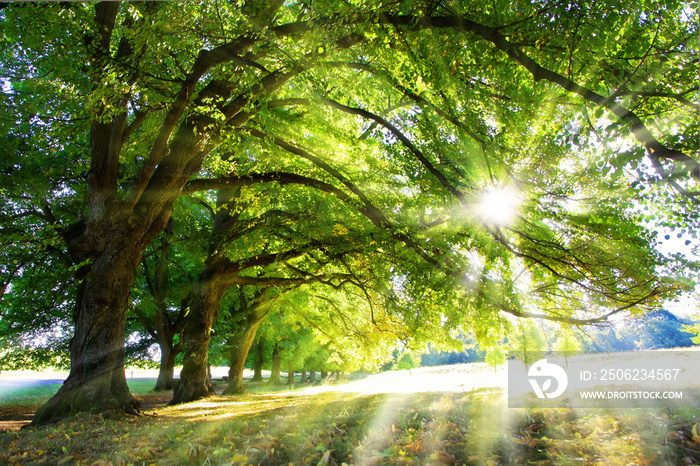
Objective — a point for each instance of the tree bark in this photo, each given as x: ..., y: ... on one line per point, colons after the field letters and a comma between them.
x: 166, y: 372
x: 290, y: 372
x: 164, y: 329
x: 117, y: 230
x: 276, y: 366
x: 303, y: 376
x: 239, y: 353
x: 324, y: 374
x: 259, y: 360
x: 194, y: 381
x: 97, y: 381
x: 312, y: 376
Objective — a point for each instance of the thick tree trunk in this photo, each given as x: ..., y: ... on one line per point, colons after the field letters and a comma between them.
x: 303, y: 376
x: 194, y: 381
x: 117, y: 231
x: 290, y: 372
x: 276, y: 366
x: 166, y: 373
x: 312, y: 376
x: 97, y: 382
x: 324, y: 374
x: 259, y: 361
x: 239, y: 353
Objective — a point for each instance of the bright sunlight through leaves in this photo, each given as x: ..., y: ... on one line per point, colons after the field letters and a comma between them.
x: 498, y: 206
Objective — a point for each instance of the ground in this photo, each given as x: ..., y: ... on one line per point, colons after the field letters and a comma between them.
x: 14, y: 417
x: 368, y: 421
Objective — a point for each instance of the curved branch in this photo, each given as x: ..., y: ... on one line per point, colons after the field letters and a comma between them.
x: 367, y: 208
x: 573, y: 321
x: 205, y: 61
x: 287, y: 281
x: 637, y: 126
x: 405, y: 141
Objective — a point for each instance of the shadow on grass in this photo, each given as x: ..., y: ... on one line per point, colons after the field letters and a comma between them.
x: 472, y: 428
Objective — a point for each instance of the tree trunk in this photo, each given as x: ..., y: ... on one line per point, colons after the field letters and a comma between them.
x: 303, y: 376
x: 324, y: 375
x: 163, y: 329
x: 194, y: 381
x: 259, y: 361
x: 276, y: 366
x: 290, y: 372
x: 312, y: 376
x: 97, y: 381
x: 239, y: 353
x: 166, y: 372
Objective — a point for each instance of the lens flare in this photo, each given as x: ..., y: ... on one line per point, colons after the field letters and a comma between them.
x: 498, y: 206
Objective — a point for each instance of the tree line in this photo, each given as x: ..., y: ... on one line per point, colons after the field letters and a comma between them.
x: 193, y: 169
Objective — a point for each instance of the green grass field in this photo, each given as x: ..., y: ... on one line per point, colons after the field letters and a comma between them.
x: 41, y: 393
x: 37, y: 395
x: 281, y: 428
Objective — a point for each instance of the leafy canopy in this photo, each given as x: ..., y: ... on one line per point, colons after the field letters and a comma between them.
x: 388, y: 122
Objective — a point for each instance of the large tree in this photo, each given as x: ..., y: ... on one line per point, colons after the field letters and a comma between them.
x: 120, y: 221
x: 407, y: 111
x: 263, y: 236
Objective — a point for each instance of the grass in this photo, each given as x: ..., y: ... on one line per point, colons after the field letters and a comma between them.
x: 472, y: 428
x: 37, y: 395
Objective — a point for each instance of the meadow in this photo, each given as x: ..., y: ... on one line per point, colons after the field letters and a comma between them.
x: 329, y: 424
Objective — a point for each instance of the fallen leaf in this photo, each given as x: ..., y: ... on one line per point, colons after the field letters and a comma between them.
x: 521, y: 441
x: 445, y: 457
x: 326, y: 457
x: 647, y: 461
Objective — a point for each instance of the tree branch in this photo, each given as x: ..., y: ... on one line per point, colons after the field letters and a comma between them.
x: 366, y: 208
x: 205, y: 61
x: 573, y: 321
x: 492, y: 34
x: 406, y: 142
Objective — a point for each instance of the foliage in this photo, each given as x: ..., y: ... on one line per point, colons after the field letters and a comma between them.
x: 496, y: 356
x: 568, y: 341
x: 470, y: 352
x: 528, y: 337
x: 654, y: 330
x: 17, y: 356
x: 408, y: 361
x: 695, y: 331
